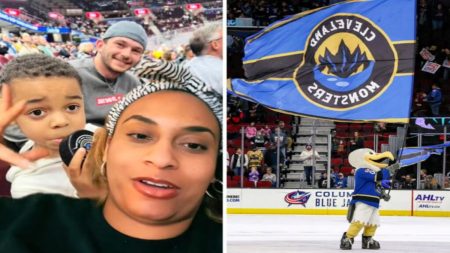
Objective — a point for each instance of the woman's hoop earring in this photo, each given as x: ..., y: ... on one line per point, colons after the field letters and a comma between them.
x: 215, y: 189
x: 103, y: 169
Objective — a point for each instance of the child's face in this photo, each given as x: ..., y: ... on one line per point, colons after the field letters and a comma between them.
x: 54, y: 109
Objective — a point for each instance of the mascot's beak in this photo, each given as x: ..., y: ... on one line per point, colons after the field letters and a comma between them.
x: 377, y: 158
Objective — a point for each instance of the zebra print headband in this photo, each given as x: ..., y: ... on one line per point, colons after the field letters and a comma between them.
x: 170, y: 77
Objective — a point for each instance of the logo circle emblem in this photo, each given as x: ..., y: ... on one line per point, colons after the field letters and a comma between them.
x: 348, y: 61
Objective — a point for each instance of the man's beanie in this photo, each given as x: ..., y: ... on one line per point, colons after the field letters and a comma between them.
x: 127, y: 29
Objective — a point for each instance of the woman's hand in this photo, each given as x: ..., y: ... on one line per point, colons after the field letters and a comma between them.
x: 81, y: 177
x: 9, y: 113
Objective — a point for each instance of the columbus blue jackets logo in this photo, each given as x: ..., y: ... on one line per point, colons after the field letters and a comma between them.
x: 347, y: 63
x: 297, y: 198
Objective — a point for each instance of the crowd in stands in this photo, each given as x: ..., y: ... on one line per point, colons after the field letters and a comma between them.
x: 264, y: 13
x: 168, y: 17
x: 265, y: 132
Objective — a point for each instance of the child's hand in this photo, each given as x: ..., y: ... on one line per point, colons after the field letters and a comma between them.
x: 9, y: 113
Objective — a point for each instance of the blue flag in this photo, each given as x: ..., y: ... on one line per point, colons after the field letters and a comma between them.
x: 412, y: 155
x: 351, y: 61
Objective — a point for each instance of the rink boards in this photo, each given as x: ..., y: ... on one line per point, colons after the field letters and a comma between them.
x: 333, y: 202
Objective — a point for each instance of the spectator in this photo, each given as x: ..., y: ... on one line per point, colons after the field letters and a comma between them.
x: 260, y: 141
x: 279, y: 138
x: 419, y: 108
x: 105, y: 77
x: 255, y: 113
x: 85, y: 50
x: 431, y: 183
x: 270, y: 157
x: 235, y: 162
x: 54, y: 110
x: 253, y: 175
x: 250, y: 132
x: 341, y: 181
x: 266, y: 131
x: 434, y: 99
x: 357, y: 142
x: 206, y: 44
x: 307, y: 156
x: 269, y: 176
x: 323, y: 181
x: 26, y: 45
x: 43, y: 46
x: 255, y: 157
x: 408, y: 182
x: 6, y: 38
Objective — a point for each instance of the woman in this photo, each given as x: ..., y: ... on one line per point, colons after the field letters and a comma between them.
x: 158, y: 162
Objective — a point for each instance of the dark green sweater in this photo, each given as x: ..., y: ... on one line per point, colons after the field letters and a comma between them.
x: 52, y: 223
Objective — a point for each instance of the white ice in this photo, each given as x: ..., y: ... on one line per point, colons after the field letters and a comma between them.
x: 322, y: 233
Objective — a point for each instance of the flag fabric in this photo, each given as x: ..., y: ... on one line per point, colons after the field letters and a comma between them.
x: 351, y: 61
x: 412, y: 155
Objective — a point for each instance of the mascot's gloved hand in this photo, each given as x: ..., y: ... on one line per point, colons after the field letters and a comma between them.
x: 386, y: 183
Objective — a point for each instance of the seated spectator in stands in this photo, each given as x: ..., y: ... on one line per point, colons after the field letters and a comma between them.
x: 54, y: 110
x: 431, y: 183
x: 235, y: 162
x: 250, y: 132
x: 26, y: 45
x: 85, y: 50
x: 323, y: 181
x: 269, y: 176
x: 434, y: 99
x: 351, y: 179
x: 255, y: 157
x: 7, y: 39
x: 419, y: 104
x: 253, y: 175
x: 206, y: 44
x: 266, y: 131
x: 187, y: 56
x: 260, y: 141
x: 423, y: 174
x: 44, y: 46
x: 105, y: 78
x: 341, y: 181
x: 3, y: 51
x: 408, y: 182
x: 357, y: 142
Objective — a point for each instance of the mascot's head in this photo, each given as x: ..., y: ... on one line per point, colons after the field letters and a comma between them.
x: 367, y: 158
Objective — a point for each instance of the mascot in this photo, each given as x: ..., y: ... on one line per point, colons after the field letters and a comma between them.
x: 371, y: 180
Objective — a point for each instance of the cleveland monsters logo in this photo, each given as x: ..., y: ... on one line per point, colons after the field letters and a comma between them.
x: 348, y: 61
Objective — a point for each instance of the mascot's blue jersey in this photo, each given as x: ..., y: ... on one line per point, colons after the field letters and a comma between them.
x: 365, y: 187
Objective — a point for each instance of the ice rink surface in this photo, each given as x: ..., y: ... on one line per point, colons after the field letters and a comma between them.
x: 322, y: 233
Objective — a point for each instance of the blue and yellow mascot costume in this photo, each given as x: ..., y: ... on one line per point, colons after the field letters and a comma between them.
x: 371, y: 178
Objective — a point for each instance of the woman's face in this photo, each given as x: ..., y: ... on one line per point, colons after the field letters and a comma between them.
x: 161, y: 159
